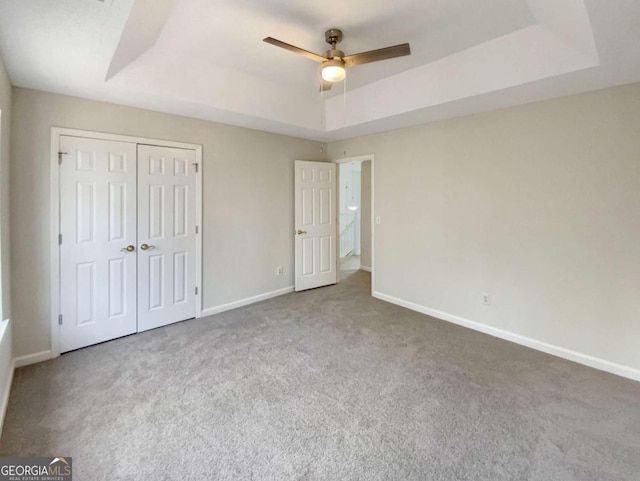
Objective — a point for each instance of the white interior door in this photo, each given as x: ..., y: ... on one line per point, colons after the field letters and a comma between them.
x: 315, y: 223
x: 166, y: 235
x: 97, y: 224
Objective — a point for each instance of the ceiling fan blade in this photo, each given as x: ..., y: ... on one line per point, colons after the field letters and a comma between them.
x: 294, y: 49
x: 325, y: 85
x: 375, y: 55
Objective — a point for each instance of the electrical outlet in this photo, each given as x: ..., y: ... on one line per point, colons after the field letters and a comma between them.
x: 486, y: 299
x: 279, y: 270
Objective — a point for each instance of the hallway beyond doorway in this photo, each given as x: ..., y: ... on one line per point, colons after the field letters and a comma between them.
x: 349, y: 263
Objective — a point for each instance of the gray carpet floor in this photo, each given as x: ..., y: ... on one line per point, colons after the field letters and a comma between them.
x: 327, y: 384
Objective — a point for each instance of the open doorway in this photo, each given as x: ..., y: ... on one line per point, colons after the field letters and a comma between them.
x: 354, y: 213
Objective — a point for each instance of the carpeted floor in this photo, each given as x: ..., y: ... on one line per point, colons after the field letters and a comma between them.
x: 327, y: 384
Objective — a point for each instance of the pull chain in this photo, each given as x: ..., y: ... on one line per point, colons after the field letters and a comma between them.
x: 322, y: 106
x: 344, y: 102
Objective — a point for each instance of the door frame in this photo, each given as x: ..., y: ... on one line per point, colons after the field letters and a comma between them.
x: 345, y: 160
x: 54, y: 215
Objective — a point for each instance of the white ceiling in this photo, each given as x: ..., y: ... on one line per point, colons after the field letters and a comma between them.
x: 206, y: 59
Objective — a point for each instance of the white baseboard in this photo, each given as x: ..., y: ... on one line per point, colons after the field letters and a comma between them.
x: 245, y: 302
x: 365, y: 268
x: 32, y: 358
x: 5, y: 395
x: 587, y: 360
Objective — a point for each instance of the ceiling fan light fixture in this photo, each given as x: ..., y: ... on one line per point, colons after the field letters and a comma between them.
x: 333, y: 70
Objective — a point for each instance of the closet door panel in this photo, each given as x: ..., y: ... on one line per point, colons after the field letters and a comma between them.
x: 167, y: 236
x: 98, y: 280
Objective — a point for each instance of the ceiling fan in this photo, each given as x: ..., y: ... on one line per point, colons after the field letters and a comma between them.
x: 334, y: 62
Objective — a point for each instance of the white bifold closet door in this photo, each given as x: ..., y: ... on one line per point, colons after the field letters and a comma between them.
x: 97, y: 223
x: 128, y: 241
x: 166, y: 227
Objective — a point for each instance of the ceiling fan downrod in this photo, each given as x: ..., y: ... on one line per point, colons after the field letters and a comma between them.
x: 333, y: 36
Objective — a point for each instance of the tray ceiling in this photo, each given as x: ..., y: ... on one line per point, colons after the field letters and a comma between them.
x: 207, y: 60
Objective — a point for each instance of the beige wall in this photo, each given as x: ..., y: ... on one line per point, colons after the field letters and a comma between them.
x: 537, y: 205
x: 248, y: 201
x: 5, y: 128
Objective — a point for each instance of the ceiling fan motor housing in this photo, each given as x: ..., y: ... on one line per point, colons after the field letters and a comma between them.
x: 333, y: 53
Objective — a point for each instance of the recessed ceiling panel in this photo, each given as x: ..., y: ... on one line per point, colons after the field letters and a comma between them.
x: 206, y: 59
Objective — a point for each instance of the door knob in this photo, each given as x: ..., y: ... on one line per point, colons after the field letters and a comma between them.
x: 129, y: 248
x: 144, y: 247
x: 301, y: 232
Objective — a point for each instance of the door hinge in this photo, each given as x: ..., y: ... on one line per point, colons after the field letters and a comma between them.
x: 196, y: 291
x: 60, y: 154
x: 59, y: 319
x: 59, y: 239
x: 196, y: 229
x: 196, y: 165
